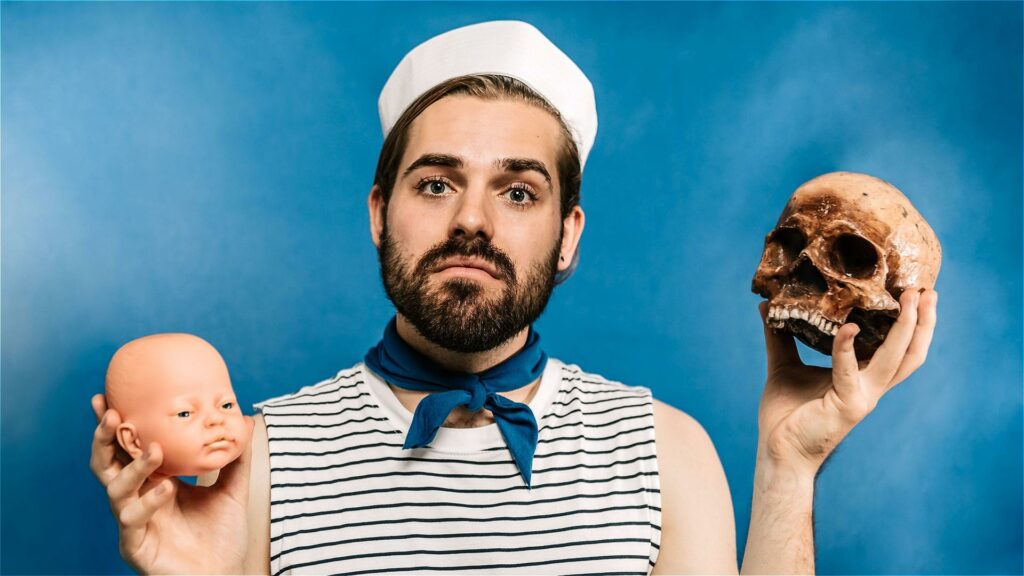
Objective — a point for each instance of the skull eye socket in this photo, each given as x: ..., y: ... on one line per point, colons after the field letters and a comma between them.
x: 854, y: 256
x: 786, y: 244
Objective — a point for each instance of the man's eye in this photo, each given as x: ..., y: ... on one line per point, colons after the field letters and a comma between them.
x: 433, y: 187
x: 228, y: 405
x: 520, y: 195
x: 184, y: 414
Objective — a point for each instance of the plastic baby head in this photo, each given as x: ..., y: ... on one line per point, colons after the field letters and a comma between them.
x: 174, y: 389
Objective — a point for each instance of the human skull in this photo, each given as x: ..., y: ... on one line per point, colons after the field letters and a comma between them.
x: 844, y: 249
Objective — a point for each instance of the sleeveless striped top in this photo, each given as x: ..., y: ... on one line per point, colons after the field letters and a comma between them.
x: 347, y: 499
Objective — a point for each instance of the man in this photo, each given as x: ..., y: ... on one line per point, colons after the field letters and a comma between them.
x: 457, y: 445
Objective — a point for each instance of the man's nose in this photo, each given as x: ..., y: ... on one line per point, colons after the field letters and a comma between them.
x: 473, y: 215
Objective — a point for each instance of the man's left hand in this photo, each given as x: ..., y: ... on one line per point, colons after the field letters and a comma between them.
x: 806, y: 411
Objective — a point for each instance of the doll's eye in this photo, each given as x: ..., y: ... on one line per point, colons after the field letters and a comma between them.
x: 228, y: 405
x: 184, y: 414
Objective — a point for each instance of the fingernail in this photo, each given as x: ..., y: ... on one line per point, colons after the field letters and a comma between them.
x: 103, y: 421
x: 160, y: 488
x: 145, y: 454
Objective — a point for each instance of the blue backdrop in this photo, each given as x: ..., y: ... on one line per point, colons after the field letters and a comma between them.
x: 204, y: 168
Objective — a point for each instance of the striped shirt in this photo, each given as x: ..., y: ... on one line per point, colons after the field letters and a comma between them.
x: 347, y: 498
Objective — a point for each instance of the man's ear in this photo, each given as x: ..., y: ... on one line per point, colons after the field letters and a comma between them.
x: 128, y: 438
x: 375, y: 203
x: 572, y: 229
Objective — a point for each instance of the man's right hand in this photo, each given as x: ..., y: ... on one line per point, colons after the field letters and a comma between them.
x: 167, y: 526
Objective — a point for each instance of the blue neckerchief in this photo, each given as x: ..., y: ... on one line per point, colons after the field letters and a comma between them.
x: 401, y: 365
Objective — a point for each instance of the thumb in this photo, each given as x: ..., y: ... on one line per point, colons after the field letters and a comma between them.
x: 779, y: 345
x: 845, y: 372
x: 234, y: 478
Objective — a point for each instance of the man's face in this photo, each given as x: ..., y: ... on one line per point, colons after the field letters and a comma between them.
x: 471, y: 238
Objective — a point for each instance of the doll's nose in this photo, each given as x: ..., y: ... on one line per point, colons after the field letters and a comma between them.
x: 214, y: 418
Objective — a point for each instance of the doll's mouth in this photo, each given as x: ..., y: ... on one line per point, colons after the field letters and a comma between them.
x: 220, y: 444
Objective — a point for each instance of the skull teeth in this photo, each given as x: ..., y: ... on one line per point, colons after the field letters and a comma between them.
x: 778, y: 315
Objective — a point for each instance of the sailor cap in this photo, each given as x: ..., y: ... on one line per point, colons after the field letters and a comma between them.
x: 504, y: 47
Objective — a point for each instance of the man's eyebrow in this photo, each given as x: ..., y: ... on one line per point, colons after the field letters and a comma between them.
x: 445, y: 160
x: 524, y: 164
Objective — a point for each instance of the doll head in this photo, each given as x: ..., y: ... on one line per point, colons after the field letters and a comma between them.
x: 174, y: 389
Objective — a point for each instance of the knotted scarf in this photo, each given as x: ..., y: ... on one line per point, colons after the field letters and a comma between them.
x: 399, y: 364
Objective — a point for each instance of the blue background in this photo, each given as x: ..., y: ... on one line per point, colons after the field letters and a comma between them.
x: 204, y: 168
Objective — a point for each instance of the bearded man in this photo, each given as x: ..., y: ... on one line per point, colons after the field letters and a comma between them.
x: 457, y: 445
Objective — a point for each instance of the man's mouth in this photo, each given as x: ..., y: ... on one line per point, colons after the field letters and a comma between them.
x: 468, y: 264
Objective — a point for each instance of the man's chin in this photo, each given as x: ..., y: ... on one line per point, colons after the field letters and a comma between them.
x: 466, y: 291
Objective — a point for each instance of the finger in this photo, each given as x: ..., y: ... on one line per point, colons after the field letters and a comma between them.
x: 103, y: 461
x: 922, y: 340
x: 234, y: 478
x: 845, y: 370
x: 779, y: 345
x: 890, y: 354
x: 135, y: 517
x: 125, y: 487
x: 99, y: 405
x: 141, y: 509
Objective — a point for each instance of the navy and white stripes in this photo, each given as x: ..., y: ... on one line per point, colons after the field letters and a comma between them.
x: 346, y: 498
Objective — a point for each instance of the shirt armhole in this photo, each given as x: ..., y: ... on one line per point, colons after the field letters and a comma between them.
x: 652, y: 485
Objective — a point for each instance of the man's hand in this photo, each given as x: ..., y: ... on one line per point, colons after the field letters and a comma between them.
x: 806, y: 411
x: 167, y: 526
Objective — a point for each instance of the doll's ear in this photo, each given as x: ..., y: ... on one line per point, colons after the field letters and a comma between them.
x: 128, y: 438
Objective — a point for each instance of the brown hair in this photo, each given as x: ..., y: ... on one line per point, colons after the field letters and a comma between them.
x: 487, y: 87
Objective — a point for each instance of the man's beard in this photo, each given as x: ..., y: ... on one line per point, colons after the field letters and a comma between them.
x: 457, y: 314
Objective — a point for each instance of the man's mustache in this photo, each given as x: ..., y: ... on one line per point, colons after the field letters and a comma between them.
x: 477, y: 248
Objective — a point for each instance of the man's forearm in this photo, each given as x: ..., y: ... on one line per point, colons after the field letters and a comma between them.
x: 781, y: 535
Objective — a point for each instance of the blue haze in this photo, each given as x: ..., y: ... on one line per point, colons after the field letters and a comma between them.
x: 204, y: 168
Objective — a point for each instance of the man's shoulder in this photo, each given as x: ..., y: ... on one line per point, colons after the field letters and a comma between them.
x: 575, y: 377
x: 347, y: 378
x: 669, y: 421
x: 694, y: 495
x: 672, y: 422
x: 684, y: 447
x: 687, y: 460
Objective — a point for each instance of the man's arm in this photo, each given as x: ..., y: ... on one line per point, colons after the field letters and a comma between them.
x: 805, y: 412
x: 257, y: 555
x: 257, y: 559
x: 698, y: 530
x: 781, y: 535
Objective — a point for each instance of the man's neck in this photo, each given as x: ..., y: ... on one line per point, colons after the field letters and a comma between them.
x: 469, y: 362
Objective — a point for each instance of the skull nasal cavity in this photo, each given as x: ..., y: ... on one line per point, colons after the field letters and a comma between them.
x: 808, y: 277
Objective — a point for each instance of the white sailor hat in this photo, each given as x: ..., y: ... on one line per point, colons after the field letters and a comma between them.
x: 504, y: 47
